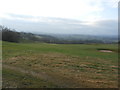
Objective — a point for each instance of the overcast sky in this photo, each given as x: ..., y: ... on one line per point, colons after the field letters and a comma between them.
x: 61, y: 16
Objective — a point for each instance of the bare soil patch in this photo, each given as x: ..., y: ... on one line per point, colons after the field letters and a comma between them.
x: 109, y: 51
x: 104, y: 50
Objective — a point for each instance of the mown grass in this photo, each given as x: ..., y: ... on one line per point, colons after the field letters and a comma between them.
x: 72, y: 65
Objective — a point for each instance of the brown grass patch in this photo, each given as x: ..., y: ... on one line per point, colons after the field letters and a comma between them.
x: 67, y: 70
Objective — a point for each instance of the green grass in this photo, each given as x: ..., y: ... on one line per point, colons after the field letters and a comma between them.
x: 67, y: 65
x: 70, y: 49
x: 15, y: 79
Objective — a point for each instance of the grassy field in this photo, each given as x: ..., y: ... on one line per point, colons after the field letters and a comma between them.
x: 41, y: 65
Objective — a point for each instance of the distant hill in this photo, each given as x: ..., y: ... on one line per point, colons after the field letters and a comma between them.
x: 14, y: 36
x: 87, y: 38
x: 30, y: 37
x: 66, y: 38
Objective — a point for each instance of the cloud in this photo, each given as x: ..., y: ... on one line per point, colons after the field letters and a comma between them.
x: 38, y: 19
x: 113, y: 3
x: 60, y: 25
x: 72, y: 9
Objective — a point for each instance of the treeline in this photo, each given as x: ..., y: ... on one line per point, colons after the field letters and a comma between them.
x: 14, y: 36
x: 9, y: 35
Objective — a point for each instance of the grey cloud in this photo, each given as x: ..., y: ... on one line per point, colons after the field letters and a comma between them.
x: 60, y: 25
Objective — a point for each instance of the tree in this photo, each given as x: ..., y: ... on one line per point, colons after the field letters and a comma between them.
x: 10, y: 35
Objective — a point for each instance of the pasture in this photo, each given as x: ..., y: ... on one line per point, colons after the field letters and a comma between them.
x: 42, y: 65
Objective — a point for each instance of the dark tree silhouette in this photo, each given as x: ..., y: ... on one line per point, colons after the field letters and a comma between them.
x: 10, y: 35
